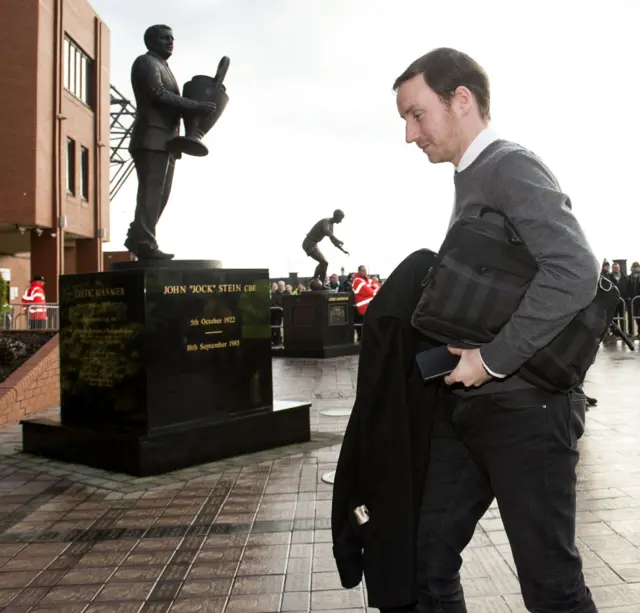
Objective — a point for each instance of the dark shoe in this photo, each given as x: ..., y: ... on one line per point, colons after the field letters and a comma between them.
x: 130, y: 246
x: 592, y: 401
x: 153, y: 254
x: 145, y: 252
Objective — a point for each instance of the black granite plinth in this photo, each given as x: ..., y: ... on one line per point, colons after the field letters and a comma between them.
x: 170, y: 264
x: 165, y: 361
x: 318, y: 325
x: 160, y: 452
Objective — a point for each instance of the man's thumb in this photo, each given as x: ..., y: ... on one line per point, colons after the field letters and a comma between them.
x: 455, y: 350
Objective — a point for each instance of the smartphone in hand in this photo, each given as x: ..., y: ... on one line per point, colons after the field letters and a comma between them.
x: 436, y: 363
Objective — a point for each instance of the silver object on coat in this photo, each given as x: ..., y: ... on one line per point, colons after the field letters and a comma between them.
x: 362, y: 514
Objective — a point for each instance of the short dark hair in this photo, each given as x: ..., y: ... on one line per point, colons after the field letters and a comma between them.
x: 152, y: 32
x: 444, y: 70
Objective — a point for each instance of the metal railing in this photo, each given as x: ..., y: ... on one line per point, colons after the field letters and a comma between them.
x: 30, y: 317
x: 47, y: 316
x: 635, y: 318
x: 621, y: 315
x: 628, y: 316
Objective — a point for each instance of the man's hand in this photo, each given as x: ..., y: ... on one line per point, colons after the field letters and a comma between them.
x: 210, y: 107
x: 470, y: 371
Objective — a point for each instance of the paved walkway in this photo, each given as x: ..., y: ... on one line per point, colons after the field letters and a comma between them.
x: 252, y: 534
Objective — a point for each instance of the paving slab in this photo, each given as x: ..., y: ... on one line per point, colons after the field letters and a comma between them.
x: 252, y: 534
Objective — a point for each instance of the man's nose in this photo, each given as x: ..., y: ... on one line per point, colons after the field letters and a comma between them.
x: 411, y: 132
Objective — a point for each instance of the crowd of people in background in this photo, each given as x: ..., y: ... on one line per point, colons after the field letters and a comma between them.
x: 363, y: 286
x: 629, y: 287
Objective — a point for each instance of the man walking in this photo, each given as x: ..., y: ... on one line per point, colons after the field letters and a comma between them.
x: 496, y: 436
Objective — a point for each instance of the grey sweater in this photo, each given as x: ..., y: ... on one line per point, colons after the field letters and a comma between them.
x: 511, y: 179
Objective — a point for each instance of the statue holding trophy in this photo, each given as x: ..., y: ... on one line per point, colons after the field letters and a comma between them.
x: 156, y: 143
x: 202, y: 89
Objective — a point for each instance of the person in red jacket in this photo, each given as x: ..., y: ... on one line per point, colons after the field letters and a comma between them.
x: 364, y: 293
x: 363, y: 290
x: 375, y: 283
x: 32, y: 299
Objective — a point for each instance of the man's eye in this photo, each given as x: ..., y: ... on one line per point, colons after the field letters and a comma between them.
x: 417, y: 116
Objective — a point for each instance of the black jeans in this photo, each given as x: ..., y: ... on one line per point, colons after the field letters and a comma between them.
x: 521, y: 448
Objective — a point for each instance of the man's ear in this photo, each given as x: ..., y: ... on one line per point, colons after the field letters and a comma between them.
x: 463, y: 100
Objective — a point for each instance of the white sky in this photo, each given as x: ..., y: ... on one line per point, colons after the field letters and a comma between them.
x: 312, y: 125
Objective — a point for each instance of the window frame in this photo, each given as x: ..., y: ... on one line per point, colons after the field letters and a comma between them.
x: 85, y: 167
x: 79, y: 73
x: 71, y: 166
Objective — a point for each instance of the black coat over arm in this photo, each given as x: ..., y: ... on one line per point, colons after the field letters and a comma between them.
x: 384, y: 454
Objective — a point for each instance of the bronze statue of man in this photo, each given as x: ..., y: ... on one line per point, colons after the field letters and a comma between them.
x: 159, y: 108
x: 320, y: 230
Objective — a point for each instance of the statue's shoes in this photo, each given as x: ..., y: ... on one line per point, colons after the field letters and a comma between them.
x: 153, y: 254
x: 144, y: 252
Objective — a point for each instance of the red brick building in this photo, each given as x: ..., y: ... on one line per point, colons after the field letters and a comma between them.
x: 54, y: 161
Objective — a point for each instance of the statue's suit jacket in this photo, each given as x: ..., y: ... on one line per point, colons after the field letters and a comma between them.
x: 159, y: 106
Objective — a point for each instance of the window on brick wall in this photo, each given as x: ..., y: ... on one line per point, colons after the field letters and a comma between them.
x: 78, y: 72
x: 71, y: 166
x: 84, y: 173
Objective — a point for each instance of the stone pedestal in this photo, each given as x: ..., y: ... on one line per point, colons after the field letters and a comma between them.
x: 318, y: 325
x: 165, y: 367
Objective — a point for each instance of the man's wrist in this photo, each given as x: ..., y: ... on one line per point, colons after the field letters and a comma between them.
x: 495, y: 375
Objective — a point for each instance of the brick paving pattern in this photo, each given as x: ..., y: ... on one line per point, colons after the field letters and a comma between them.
x: 252, y: 534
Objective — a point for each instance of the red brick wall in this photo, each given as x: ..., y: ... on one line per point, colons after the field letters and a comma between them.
x: 84, y: 125
x: 34, y: 387
x: 20, y: 267
x: 41, y: 117
x: 18, y: 84
x: 111, y: 257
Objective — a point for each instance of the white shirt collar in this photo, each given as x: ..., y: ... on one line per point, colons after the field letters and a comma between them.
x: 478, y: 145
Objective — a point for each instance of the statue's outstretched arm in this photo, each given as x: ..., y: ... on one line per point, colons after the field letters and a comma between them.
x: 332, y: 237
